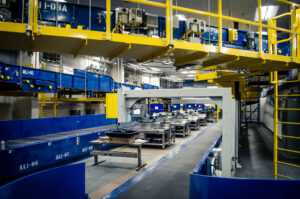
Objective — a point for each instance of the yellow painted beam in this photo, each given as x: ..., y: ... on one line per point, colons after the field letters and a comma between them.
x: 111, y: 105
x: 220, y: 30
x: 12, y: 27
x: 297, y: 22
x: 108, y: 19
x: 219, y: 60
x: 180, y: 61
x: 119, y: 52
x: 136, y: 39
x: 71, y: 33
x: 155, y: 54
x: 206, y: 76
x: 197, y: 12
x: 149, y: 3
x: 289, y: 3
x: 82, y: 46
x: 259, y: 29
x: 80, y: 99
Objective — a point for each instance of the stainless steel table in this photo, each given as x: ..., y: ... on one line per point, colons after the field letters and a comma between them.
x: 96, y: 152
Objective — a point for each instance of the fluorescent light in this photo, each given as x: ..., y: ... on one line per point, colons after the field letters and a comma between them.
x: 155, y: 69
x: 188, y: 72
x: 267, y: 12
x: 181, y: 17
x: 191, y: 75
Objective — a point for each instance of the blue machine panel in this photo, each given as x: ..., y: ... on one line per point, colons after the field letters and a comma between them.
x: 66, y: 181
x: 208, y: 187
x: 79, y: 82
x: 199, y: 106
x: 37, y: 143
x: 64, y: 81
x: 105, y: 83
x: 190, y: 106
x: 30, y: 157
x: 92, y: 81
x: 16, y: 129
x: 204, y: 186
x: 175, y: 107
x: 156, y: 108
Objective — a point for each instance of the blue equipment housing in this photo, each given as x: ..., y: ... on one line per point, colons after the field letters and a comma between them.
x: 156, y: 108
x: 175, y: 107
x: 42, y: 81
x: 199, y: 106
x: 204, y: 185
x: 190, y: 106
x: 67, y: 181
x: 33, y: 144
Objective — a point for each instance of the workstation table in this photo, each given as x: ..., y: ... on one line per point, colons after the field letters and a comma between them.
x: 157, y: 134
x: 195, y: 122
x: 96, y: 152
x: 182, y: 126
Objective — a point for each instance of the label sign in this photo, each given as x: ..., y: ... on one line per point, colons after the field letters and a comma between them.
x: 52, y: 6
x: 28, y: 72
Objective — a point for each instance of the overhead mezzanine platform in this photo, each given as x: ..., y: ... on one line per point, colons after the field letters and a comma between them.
x: 33, y: 37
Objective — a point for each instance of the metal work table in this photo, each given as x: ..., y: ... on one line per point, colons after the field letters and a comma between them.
x: 195, y: 122
x: 137, y: 155
x: 203, y: 119
x: 182, y: 126
x: 163, y: 133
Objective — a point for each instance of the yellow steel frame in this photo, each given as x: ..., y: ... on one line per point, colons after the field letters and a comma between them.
x: 55, y: 100
x: 275, y: 81
x: 131, y: 41
x: 43, y: 102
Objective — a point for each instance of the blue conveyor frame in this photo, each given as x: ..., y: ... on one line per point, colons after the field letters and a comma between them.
x: 34, y: 144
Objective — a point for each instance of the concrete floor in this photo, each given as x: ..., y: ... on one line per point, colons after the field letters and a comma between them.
x: 113, y: 167
x: 256, y: 155
x: 172, y: 178
x: 107, y: 176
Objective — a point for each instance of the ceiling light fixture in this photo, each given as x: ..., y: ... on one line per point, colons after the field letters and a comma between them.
x: 267, y: 12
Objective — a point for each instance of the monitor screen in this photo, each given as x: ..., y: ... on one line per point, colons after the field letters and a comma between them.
x: 137, y: 111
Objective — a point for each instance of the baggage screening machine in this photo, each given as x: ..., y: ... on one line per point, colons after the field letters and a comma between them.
x: 126, y: 99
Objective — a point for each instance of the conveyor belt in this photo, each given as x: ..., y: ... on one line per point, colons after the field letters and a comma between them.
x: 43, y: 138
x: 171, y: 179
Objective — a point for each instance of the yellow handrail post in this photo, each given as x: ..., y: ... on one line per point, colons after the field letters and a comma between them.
x: 272, y: 37
x: 35, y: 16
x: 297, y: 22
x: 294, y: 29
x: 32, y: 26
x: 169, y: 22
x: 108, y: 19
x: 259, y: 29
x: 275, y: 158
x: 55, y: 104
x: 220, y: 25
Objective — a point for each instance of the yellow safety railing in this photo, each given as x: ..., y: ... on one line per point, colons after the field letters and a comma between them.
x: 272, y: 28
x: 274, y: 80
x: 34, y: 28
x: 43, y: 102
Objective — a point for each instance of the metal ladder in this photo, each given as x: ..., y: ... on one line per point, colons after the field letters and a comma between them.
x: 276, y: 162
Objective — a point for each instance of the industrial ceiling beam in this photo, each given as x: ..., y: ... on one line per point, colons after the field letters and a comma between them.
x: 156, y: 54
x: 220, y: 60
x: 119, y: 51
x: 186, y: 59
